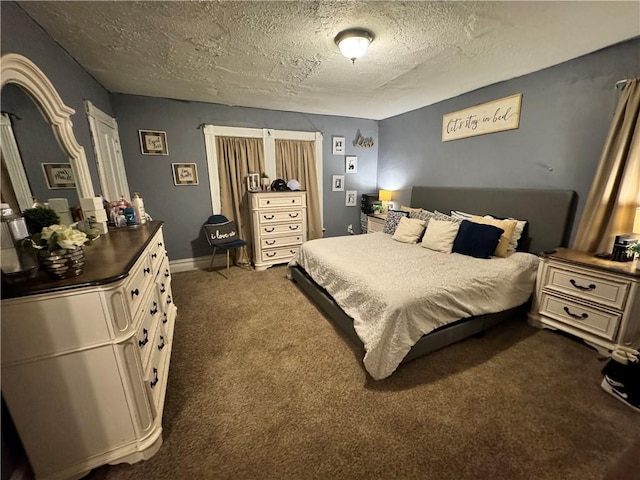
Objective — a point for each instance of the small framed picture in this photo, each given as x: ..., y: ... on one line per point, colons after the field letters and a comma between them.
x: 337, y: 183
x: 351, y: 198
x: 338, y: 145
x: 153, y: 142
x: 59, y: 175
x: 185, y: 173
x: 351, y: 164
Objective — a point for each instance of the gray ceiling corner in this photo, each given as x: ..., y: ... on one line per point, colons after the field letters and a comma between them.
x: 281, y: 55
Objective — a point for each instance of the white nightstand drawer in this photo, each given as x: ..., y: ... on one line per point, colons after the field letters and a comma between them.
x: 281, y: 241
x: 293, y: 200
x: 592, y: 320
x: 279, y: 253
x: 598, y: 290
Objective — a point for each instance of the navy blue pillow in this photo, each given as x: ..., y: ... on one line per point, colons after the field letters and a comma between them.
x: 476, y: 239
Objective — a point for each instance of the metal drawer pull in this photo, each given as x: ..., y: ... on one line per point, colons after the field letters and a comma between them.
x: 270, y: 254
x: 166, y: 272
x: 269, y: 230
x: 573, y: 315
x: 268, y: 217
x: 294, y: 227
x: 163, y: 289
x: 154, y: 255
x: 146, y: 270
x: 268, y: 202
x: 159, y: 244
x: 154, y: 310
x: 168, y: 299
x: 293, y: 215
x: 135, y: 292
x: 161, y: 346
x: 155, y: 379
x: 581, y: 287
x: 165, y: 319
x: 292, y: 251
x: 270, y: 242
x: 145, y: 340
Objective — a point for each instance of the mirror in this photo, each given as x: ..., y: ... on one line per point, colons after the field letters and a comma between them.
x: 39, y: 151
x: 21, y: 76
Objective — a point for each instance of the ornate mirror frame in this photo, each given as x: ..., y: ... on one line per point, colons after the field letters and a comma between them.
x: 19, y: 70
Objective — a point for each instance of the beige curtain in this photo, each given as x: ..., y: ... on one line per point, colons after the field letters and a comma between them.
x: 237, y: 157
x: 297, y: 159
x: 615, y: 192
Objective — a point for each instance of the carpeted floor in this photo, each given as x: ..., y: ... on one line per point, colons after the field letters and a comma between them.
x: 262, y: 386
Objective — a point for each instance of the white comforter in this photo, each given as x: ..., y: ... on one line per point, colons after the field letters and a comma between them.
x: 397, y: 292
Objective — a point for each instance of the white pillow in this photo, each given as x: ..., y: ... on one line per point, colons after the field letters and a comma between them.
x: 440, y: 235
x: 461, y: 215
x: 409, y: 230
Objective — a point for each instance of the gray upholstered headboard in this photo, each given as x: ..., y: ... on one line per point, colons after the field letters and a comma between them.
x: 550, y: 213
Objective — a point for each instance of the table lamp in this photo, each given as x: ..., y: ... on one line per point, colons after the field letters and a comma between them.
x: 385, y: 197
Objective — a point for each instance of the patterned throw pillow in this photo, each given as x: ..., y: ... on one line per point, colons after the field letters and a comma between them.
x: 393, y: 219
x: 424, y: 215
x: 447, y: 218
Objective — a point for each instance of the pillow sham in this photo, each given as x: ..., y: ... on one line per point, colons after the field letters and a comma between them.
x: 461, y: 215
x: 440, y: 235
x: 476, y: 239
x: 409, y: 230
x: 444, y: 217
x: 424, y: 215
x: 507, y: 227
x: 404, y: 208
x: 393, y: 218
x: 519, y: 230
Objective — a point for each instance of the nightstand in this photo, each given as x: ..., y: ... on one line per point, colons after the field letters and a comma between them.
x: 375, y: 222
x: 594, y: 299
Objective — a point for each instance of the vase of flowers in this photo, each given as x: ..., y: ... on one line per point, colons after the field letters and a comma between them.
x: 61, y: 252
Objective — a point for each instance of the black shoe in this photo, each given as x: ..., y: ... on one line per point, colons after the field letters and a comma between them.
x: 629, y: 396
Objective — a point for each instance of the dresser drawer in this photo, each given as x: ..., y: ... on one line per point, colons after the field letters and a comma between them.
x: 152, y: 314
x: 279, y: 217
x: 269, y: 230
x: 279, y: 253
x: 138, y: 283
x: 157, y: 252
x: 157, y: 365
x: 280, y: 201
x: 281, y: 241
x: 593, y: 320
x: 599, y: 290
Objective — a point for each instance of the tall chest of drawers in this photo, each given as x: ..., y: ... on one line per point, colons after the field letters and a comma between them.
x: 85, y: 361
x: 279, y: 226
x: 593, y: 299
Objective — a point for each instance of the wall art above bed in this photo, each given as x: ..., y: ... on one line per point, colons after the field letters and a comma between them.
x: 495, y: 116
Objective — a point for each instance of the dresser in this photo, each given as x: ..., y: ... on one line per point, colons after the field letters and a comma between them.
x: 594, y: 299
x: 279, y: 226
x: 375, y: 222
x: 85, y: 361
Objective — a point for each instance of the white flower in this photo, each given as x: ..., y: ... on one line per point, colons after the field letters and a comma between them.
x: 63, y: 236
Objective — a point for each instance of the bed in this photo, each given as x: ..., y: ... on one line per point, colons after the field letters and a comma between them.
x: 402, y: 301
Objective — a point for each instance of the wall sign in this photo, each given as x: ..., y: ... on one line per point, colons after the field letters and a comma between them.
x: 495, y: 116
x: 59, y: 175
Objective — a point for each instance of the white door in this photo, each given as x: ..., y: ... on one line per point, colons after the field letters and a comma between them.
x: 106, y: 143
x: 13, y: 161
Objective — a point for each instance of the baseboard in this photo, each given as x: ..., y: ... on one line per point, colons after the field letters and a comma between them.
x: 187, y: 264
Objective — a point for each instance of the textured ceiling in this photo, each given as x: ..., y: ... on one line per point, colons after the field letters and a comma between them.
x: 281, y: 55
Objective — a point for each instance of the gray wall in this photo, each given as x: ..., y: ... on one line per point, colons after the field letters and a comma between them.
x: 185, y: 208
x: 565, y: 116
x: 20, y: 34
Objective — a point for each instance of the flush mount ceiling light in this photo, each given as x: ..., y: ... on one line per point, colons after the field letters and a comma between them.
x: 353, y: 43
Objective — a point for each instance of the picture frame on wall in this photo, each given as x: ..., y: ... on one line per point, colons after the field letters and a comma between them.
x: 59, y: 175
x: 351, y: 198
x: 351, y: 164
x: 185, y: 173
x: 338, y: 145
x: 337, y: 183
x: 153, y: 142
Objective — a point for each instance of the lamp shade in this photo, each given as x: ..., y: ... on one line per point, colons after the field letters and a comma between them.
x: 354, y: 43
x: 384, y: 195
x: 636, y: 222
